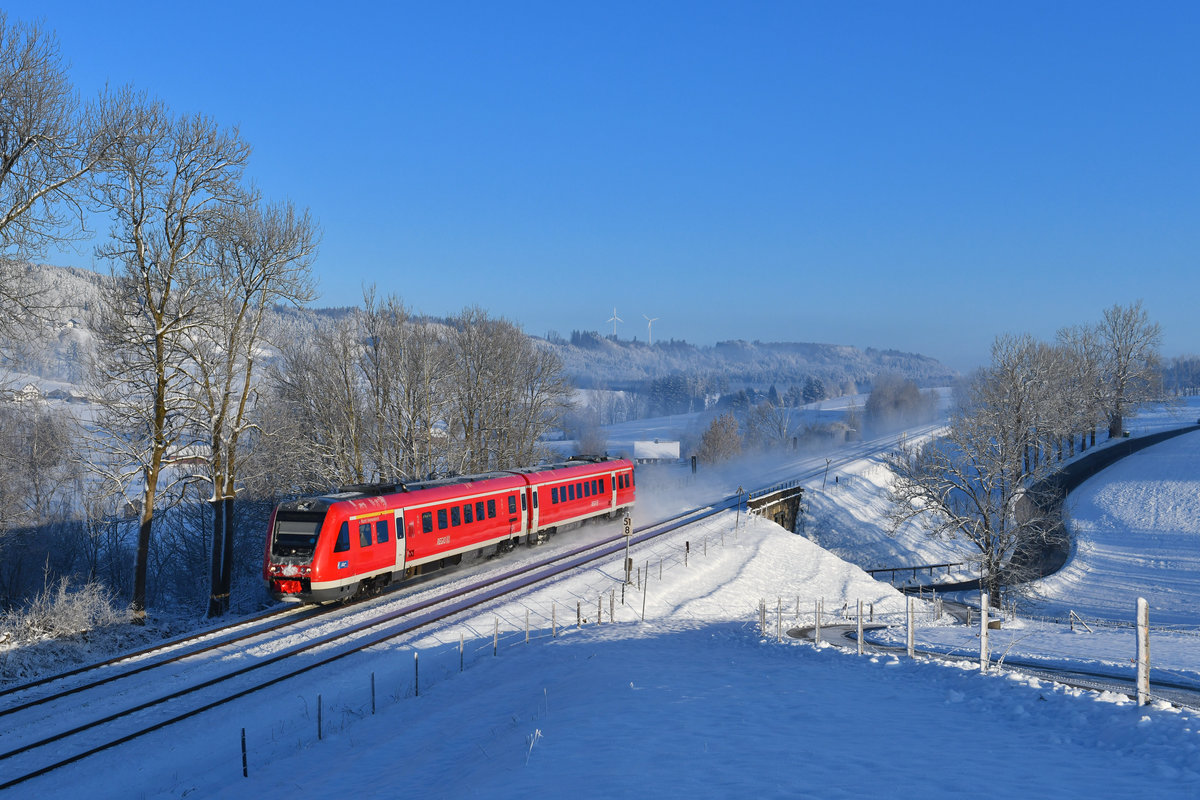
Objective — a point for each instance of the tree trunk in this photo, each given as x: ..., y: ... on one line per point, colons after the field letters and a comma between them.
x: 218, y: 548
x: 1116, y: 425
x: 139, y: 576
x: 227, y: 567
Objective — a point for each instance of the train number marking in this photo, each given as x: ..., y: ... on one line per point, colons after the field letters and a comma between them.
x: 443, y: 540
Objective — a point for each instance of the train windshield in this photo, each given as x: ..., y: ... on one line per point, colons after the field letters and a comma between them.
x: 296, y: 533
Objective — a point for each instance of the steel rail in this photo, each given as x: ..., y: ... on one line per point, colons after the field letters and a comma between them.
x: 486, y: 591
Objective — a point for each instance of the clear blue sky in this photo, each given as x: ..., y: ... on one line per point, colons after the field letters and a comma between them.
x: 921, y: 176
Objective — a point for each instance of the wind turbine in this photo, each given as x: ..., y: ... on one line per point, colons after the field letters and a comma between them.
x: 649, y: 331
x: 614, y: 319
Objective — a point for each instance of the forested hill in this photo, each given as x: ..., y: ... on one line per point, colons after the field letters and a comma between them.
x: 595, y: 361
x: 59, y: 351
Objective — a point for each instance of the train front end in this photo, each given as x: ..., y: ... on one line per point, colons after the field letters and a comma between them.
x: 291, y: 548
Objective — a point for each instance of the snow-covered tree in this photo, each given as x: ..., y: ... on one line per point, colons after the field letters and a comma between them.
x: 259, y: 256
x: 168, y: 186
x: 49, y: 141
x: 1130, y: 361
x: 976, y: 482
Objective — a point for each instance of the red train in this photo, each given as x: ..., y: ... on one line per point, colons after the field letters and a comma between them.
x: 364, y: 537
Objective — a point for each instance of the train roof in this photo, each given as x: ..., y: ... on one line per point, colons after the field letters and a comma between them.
x: 366, y: 491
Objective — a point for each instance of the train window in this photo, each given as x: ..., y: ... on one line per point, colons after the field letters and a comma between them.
x: 381, y: 531
x: 522, y: 501
x: 492, y: 508
x: 600, y: 483
x: 571, y: 492
x: 587, y: 488
x: 512, y: 504
x: 535, y: 498
x: 553, y: 494
x: 596, y: 487
x: 343, y: 540
x: 455, y: 517
x: 364, y: 534
x: 441, y: 519
x: 479, y: 511
x: 631, y: 479
x: 427, y: 522
x: 468, y: 514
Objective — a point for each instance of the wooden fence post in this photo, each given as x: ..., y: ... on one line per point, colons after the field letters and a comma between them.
x: 245, y: 769
x: 817, y: 616
x: 860, y: 630
x: 909, y: 644
x: 984, y: 654
x: 1143, y: 651
x: 416, y: 674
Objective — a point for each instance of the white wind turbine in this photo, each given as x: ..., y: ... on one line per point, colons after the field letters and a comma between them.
x: 614, y: 319
x: 649, y: 331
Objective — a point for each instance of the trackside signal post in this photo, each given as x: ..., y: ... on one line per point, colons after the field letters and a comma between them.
x: 627, y: 524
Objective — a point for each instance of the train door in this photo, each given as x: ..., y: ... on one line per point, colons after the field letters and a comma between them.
x: 533, y: 511
x: 401, y: 541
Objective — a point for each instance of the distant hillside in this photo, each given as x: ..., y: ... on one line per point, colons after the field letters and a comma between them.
x: 596, y: 361
x: 671, y: 368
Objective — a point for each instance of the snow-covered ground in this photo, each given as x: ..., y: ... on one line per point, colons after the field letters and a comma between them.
x: 695, y: 700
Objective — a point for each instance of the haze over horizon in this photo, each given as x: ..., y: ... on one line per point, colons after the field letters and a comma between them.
x: 921, y: 177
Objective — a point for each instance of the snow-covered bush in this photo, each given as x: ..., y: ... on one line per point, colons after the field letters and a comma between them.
x: 61, y: 610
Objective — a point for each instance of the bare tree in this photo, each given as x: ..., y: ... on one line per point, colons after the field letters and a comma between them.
x: 1130, y: 343
x: 49, y: 141
x: 976, y: 483
x: 167, y: 186
x: 260, y: 256
x: 1083, y: 373
x: 319, y: 384
x: 721, y: 441
x: 505, y: 392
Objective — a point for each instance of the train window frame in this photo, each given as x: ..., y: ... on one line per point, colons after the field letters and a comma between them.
x: 443, y: 522
x: 455, y: 516
x: 381, y: 531
x: 364, y: 534
x: 600, y: 481
x: 491, y: 508
x: 587, y: 488
x: 427, y: 522
x: 535, y: 500
x: 480, y: 513
x: 468, y: 513
x: 570, y: 491
x: 342, y: 545
x: 523, y: 507
x: 553, y: 495
x: 512, y: 504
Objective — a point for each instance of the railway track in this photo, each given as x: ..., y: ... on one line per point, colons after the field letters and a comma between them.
x: 45, y: 733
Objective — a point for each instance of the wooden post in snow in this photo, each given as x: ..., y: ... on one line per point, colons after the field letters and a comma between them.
x: 908, y: 639
x: 1143, y: 651
x: 860, y: 630
x: 984, y: 654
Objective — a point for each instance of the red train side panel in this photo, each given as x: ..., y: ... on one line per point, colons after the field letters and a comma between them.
x: 330, y: 547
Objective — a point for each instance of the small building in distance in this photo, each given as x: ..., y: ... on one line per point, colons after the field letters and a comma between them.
x: 656, y: 451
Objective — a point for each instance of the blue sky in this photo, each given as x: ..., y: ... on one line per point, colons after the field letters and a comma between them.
x: 919, y: 176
